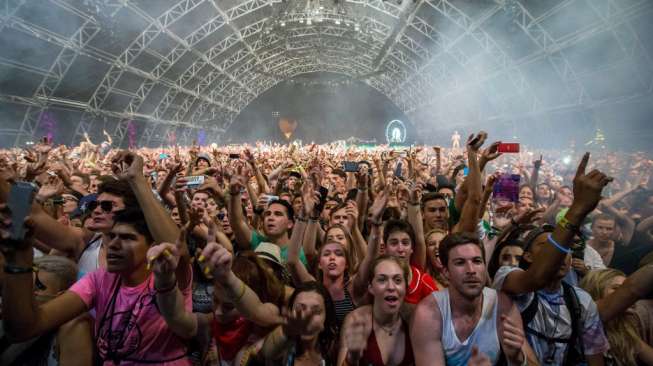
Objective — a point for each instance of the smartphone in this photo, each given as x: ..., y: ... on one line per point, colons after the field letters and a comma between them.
x: 508, y: 147
x: 234, y: 156
x: 195, y: 181
x: 163, y: 156
x: 351, y: 195
x: 350, y: 166
x: 20, y: 200
x: 398, y: 170
x: 507, y: 187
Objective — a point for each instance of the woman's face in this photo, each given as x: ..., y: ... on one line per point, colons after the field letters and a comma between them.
x: 510, y: 256
x: 525, y: 192
x: 211, y: 206
x: 432, y: 245
x: 333, y: 262
x: 337, y: 235
x: 388, y: 287
x: 613, y: 285
x: 311, y: 301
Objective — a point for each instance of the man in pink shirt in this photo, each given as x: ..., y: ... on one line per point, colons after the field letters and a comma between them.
x: 129, y: 329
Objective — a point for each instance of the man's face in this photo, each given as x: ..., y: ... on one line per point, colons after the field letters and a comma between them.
x: 340, y: 217
x: 399, y: 245
x: 465, y: 270
x: 92, y: 188
x: 436, y: 214
x: 328, y: 206
x: 102, y: 220
x: 174, y: 214
x: 297, y: 204
x: 200, y: 200
x: 603, y: 230
x: 127, y: 249
x: 566, y: 196
x: 543, y: 191
x: 77, y: 183
x: 276, y: 221
x: 202, y: 164
x: 538, y: 244
x: 69, y: 203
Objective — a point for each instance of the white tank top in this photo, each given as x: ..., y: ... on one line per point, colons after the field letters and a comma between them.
x: 484, y: 336
x: 89, y: 261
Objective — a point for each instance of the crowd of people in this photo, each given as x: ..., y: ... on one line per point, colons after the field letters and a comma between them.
x: 326, y: 255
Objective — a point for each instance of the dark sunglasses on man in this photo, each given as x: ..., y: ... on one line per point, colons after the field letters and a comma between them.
x: 105, y: 206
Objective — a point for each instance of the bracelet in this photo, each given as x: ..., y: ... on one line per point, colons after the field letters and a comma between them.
x: 165, y: 290
x: 558, y: 246
x: 14, y: 269
x: 313, y: 219
x: 414, y: 203
x: 242, y: 292
x: 375, y: 223
x: 302, y: 219
x: 565, y: 224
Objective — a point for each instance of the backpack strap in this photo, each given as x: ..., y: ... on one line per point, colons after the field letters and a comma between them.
x: 575, y: 349
x: 529, y: 313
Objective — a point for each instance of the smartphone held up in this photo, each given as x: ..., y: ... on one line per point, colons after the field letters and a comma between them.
x: 20, y: 200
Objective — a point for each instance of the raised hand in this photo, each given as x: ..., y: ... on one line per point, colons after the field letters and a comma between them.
x: 216, y: 261
x: 297, y: 321
x: 352, y: 214
x: 127, y: 165
x: 163, y: 259
x: 492, y: 152
x: 478, y: 358
x: 513, y: 340
x: 474, y: 143
x: 588, y: 187
x: 379, y: 205
x: 356, y: 334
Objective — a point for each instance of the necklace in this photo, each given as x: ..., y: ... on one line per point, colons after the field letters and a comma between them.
x: 388, y: 329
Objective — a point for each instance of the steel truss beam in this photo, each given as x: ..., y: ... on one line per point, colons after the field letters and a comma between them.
x: 613, y: 16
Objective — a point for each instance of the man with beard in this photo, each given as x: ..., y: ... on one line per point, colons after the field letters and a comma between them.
x: 467, y: 318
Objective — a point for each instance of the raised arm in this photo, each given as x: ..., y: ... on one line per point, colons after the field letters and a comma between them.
x: 23, y: 317
x: 637, y: 286
x: 297, y: 269
x: 260, y: 180
x: 362, y: 277
x: 469, y: 215
x: 626, y: 224
x: 235, y: 212
x: 216, y: 260
x: 418, y: 258
x: 158, y: 220
x: 587, y: 193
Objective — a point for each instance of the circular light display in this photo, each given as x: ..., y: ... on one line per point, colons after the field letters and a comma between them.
x: 395, y: 132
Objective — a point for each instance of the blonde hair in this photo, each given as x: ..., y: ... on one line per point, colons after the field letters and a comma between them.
x: 622, y: 330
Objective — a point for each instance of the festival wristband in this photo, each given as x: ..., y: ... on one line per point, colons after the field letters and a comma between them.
x: 14, y: 269
x: 557, y: 246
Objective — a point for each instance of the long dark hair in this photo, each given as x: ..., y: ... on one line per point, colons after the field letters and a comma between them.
x: 326, y: 338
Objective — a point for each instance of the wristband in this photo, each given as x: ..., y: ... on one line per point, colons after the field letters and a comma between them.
x: 558, y: 246
x: 242, y: 292
x: 165, y: 290
x: 14, y: 269
x: 565, y: 224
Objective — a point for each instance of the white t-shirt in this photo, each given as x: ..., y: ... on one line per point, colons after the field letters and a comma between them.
x: 553, y: 320
x: 89, y: 261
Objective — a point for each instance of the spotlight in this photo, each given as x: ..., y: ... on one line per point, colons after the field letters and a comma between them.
x: 566, y: 160
x: 337, y: 21
x: 283, y: 24
x: 309, y: 21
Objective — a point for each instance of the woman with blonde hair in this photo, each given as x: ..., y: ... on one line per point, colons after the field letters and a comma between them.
x: 433, y: 265
x: 626, y: 347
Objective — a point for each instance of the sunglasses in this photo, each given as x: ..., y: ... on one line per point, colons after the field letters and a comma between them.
x: 106, y: 206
